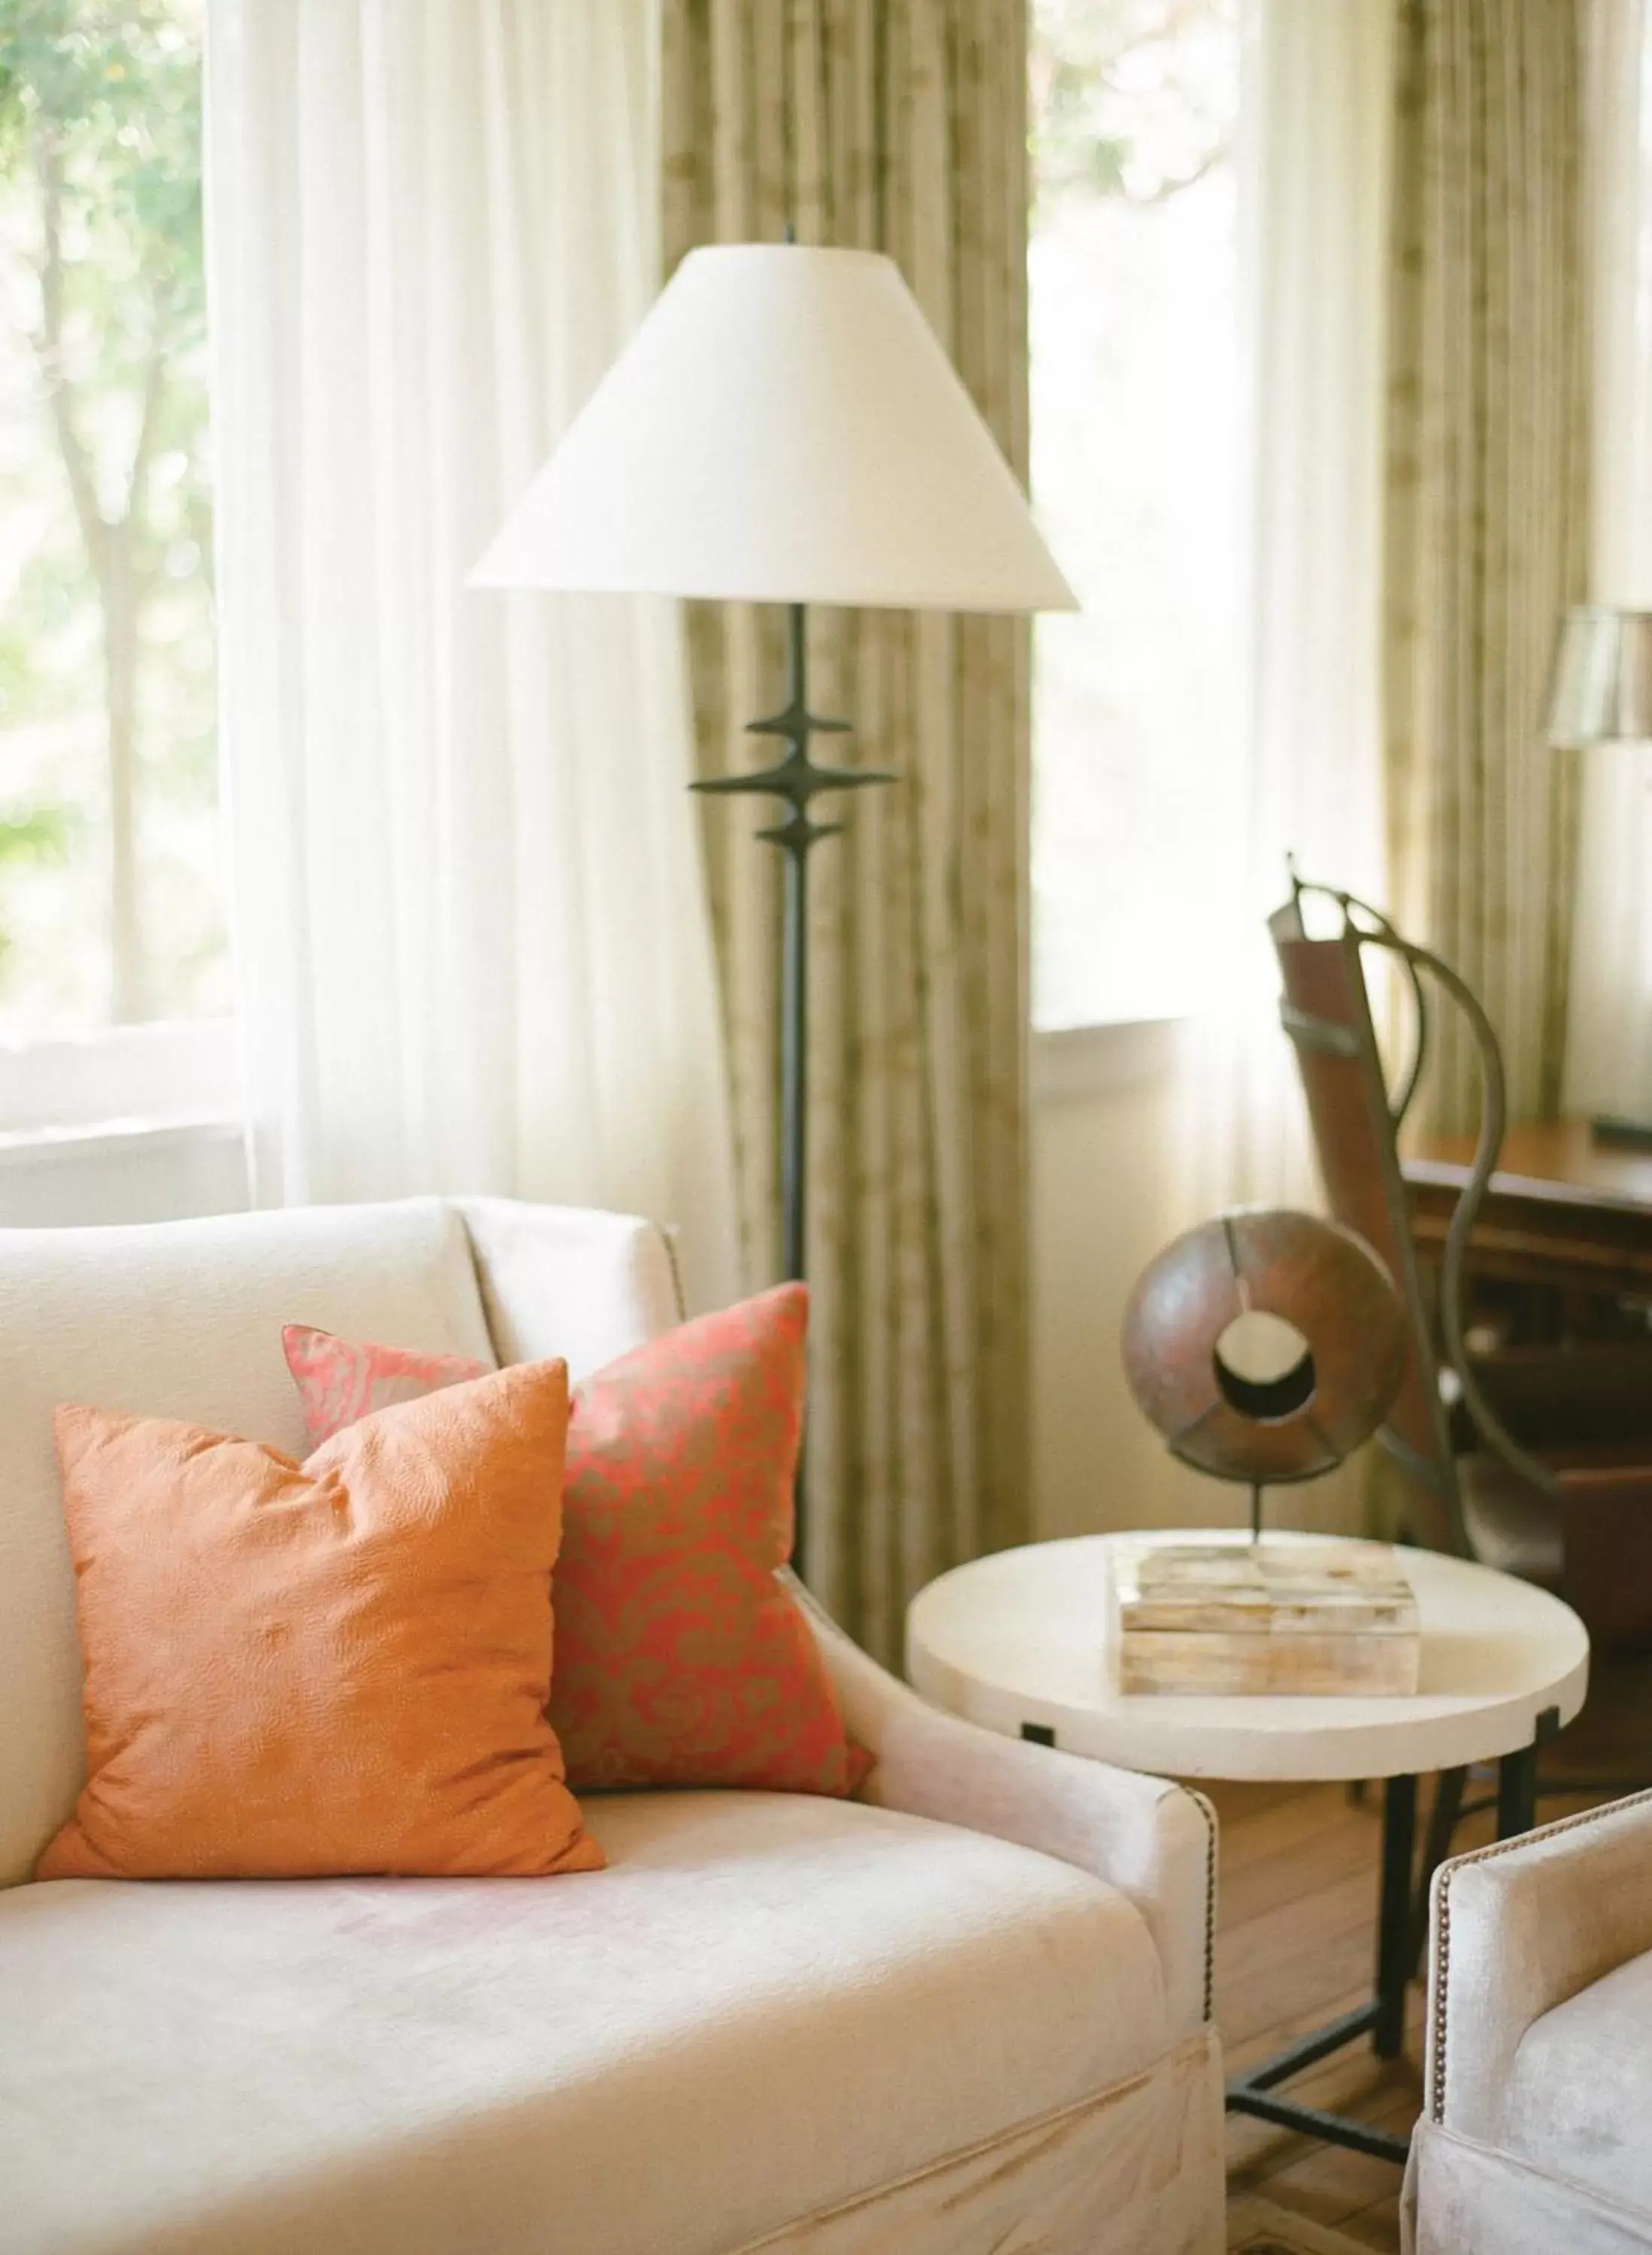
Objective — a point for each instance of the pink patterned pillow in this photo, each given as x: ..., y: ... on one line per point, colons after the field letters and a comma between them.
x: 681, y: 1657
x: 340, y: 1380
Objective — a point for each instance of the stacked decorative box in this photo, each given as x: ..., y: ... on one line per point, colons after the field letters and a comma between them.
x: 1309, y: 1618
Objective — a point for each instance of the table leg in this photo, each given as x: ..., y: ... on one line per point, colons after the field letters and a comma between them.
x: 1437, y: 1846
x: 1256, y: 2093
x: 1517, y: 1791
x: 1394, y: 1916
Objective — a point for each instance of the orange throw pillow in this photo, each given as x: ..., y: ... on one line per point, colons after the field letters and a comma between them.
x: 341, y: 1666
x: 681, y: 1658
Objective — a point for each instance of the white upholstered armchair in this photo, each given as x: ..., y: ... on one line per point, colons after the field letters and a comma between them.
x: 967, y: 2012
x: 1536, y: 2132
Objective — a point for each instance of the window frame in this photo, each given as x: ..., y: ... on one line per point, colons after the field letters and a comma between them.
x: 167, y: 1075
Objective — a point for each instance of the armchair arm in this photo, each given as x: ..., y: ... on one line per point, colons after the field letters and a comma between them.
x: 1516, y: 1929
x: 1154, y: 1841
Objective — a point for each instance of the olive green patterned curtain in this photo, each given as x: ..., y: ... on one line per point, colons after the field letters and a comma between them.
x: 1487, y: 514
x: 898, y: 125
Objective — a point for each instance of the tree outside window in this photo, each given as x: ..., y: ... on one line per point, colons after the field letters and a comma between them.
x: 1136, y: 404
x: 110, y: 898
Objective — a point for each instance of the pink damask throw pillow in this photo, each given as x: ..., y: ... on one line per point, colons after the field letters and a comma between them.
x: 340, y: 1381
x: 681, y: 1658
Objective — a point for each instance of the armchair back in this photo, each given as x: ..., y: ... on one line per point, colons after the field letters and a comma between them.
x: 183, y: 1319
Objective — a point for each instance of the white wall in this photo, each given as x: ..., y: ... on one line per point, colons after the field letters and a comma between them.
x: 1105, y: 1200
x: 1109, y: 1191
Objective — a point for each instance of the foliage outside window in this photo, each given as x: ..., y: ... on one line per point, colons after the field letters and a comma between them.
x: 110, y: 901
x: 1136, y: 406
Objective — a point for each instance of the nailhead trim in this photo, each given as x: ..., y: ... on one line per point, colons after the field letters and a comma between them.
x: 1208, y: 1813
x: 1447, y: 1873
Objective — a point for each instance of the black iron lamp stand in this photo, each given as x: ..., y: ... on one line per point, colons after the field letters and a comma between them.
x: 797, y: 781
x: 758, y: 440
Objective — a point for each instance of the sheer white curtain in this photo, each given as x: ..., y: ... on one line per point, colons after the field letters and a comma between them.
x: 1305, y: 772
x: 1609, y: 1060
x: 473, y: 947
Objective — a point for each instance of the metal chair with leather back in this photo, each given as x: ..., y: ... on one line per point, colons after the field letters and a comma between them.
x: 1565, y: 1500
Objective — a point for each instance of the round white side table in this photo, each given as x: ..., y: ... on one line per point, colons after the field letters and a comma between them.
x: 1024, y: 1642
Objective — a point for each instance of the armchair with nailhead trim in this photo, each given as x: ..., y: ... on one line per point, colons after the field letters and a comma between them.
x: 1537, y: 2129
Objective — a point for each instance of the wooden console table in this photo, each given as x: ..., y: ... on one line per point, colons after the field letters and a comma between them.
x: 1561, y: 1210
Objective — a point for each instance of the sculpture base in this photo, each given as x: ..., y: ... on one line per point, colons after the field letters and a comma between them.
x: 1312, y: 1619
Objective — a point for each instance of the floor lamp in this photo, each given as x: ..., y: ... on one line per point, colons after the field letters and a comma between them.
x: 784, y: 427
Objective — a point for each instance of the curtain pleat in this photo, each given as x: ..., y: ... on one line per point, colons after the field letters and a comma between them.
x: 1487, y: 500
x: 1609, y: 1063
x: 899, y: 127
x: 473, y: 950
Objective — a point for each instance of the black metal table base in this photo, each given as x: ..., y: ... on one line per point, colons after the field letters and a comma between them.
x: 1402, y: 1930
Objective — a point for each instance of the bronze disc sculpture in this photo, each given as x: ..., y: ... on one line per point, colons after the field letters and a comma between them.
x: 1313, y: 1279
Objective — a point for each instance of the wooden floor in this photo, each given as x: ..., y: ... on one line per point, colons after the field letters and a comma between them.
x: 1295, y: 1942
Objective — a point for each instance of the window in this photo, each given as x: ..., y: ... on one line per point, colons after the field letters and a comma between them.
x: 111, y: 907
x: 1135, y: 421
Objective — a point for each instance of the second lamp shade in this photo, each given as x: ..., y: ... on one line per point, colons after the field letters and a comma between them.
x: 1601, y: 692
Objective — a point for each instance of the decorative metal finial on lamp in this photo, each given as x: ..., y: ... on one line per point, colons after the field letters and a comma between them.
x: 784, y: 427
x: 798, y: 781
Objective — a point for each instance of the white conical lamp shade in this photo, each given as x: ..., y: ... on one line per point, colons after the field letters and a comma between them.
x: 784, y: 427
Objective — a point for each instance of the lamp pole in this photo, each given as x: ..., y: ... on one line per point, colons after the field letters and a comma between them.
x: 796, y: 781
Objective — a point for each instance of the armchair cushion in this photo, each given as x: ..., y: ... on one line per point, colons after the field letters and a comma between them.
x: 766, y: 2005
x: 1154, y: 1841
x: 1580, y: 2097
